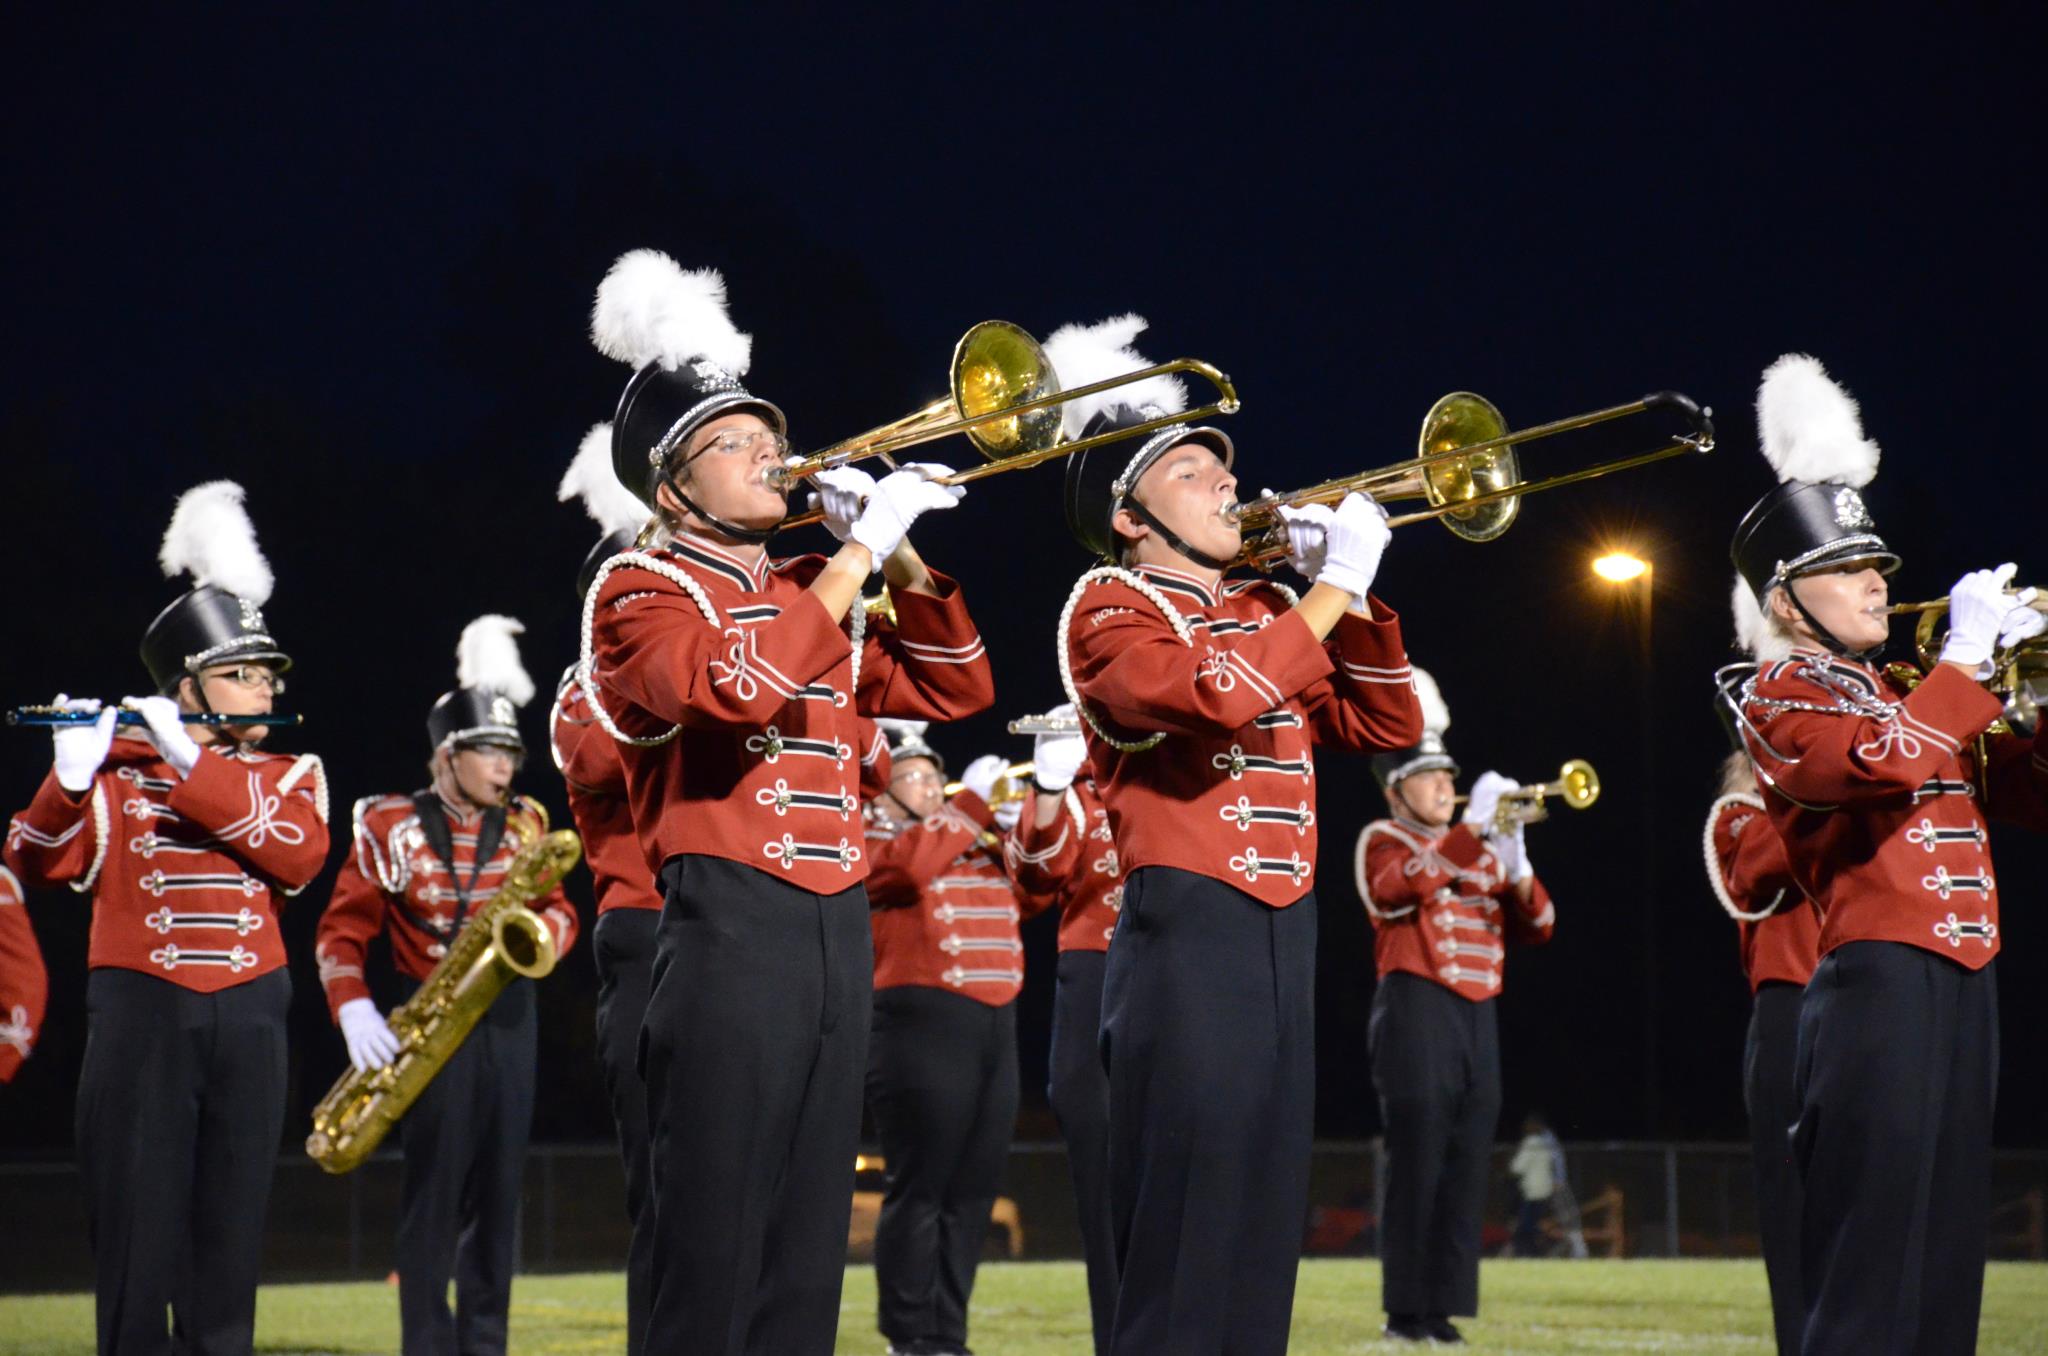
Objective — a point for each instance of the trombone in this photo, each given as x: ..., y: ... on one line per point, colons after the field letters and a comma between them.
x: 2019, y: 673
x: 1465, y: 467
x: 1005, y: 398
x: 1577, y: 785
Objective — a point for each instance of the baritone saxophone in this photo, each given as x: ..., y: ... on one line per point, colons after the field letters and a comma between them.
x: 502, y: 941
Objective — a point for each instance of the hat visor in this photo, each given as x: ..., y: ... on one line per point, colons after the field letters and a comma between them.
x: 259, y: 653
x: 1428, y: 762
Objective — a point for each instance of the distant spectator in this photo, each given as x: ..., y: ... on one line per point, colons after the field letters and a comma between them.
x: 1537, y: 1167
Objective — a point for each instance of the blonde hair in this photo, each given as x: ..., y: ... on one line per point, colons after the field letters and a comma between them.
x: 1738, y: 774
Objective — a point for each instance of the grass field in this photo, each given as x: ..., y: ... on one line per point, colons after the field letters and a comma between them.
x: 1037, y: 1309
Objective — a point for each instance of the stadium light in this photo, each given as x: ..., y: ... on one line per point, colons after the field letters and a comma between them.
x: 1619, y: 567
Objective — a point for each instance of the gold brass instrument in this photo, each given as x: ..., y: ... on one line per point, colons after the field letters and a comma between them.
x: 502, y: 941
x: 881, y: 605
x: 2019, y: 672
x: 45, y: 716
x: 1466, y: 469
x: 1005, y: 398
x: 1012, y: 785
x: 1046, y: 725
x: 1577, y: 785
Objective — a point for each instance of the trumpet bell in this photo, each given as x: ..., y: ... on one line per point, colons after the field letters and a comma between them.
x: 997, y: 365
x: 1578, y: 784
x: 1462, y: 419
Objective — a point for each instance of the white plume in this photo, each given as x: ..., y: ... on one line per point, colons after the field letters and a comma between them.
x: 1436, y: 717
x: 487, y: 657
x: 1085, y: 354
x: 212, y: 539
x: 1754, y: 634
x: 898, y: 729
x: 1809, y: 425
x: 651, y: 310
x: 590, y: 478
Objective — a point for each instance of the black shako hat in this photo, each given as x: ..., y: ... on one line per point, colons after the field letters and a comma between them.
x: 220, y: 620
x: 1101, y: 479
x: 1394, y: 765
x: 660, y: 409
x: 1811, y: 433
x: 492, y: 685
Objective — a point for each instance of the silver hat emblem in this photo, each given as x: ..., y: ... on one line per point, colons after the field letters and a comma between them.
x: 1850, y: 515
x: 502, y: 711
x: 252, y: 616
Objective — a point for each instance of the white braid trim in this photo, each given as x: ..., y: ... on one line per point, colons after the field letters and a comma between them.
x: 1075, y: 813
x: 1714, y: 858
x: 100, y: 831
x: 1143, y: 587
x: 858, y: 633
x: 638, y: 560
x: 308, y: 762
x: 1373, y: 910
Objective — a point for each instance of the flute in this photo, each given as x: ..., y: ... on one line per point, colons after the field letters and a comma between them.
x: 57, y: 716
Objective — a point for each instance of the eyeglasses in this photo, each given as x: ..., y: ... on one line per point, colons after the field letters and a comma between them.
x: 916, y: 776
x: 254, y: 677
x: 736, y: 442
x: 493, y: 752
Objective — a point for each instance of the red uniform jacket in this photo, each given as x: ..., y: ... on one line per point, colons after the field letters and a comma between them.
x: 593, y: 765
x: 943, y: 912
x: 1779, y: 928
x: 1071, y: 862
x: 24, y: 984
x: 1242, y: 691
x: 1442, y: 908
x: 747, y: 692
x: 394, y: 880
x: 1871, y: 790
x: 185, y: 873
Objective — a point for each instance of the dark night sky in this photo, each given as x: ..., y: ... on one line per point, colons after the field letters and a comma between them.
x: 350, y: 266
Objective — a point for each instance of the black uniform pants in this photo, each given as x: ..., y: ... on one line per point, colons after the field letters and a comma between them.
x: 180, y: 1104
x: 1078, y: 1089
x: 1767, y: 1063
x: 1208, y: 1032
x: 1436, y: 1067
x: 942, y: 1084
x: 1897, y: 1075
x: 754, y: 1049
x: 465, y: 1154
x: 623, y: 945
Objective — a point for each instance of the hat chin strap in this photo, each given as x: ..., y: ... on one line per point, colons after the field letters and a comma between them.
x: 1169, y: 536
x: 1827, y: 637
x: 751, y: 536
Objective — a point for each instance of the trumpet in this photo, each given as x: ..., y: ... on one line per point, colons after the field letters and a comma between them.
x: 1577, y: 785
x: 2019, y: 673
x: 1012, y: 785
x: 1466, y: 469
x: 1046, y: 725
x: 1005, y: 398
x: 45, y: 716
x: 882, y: 605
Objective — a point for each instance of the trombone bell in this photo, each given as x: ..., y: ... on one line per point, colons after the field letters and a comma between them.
x: 1578, y: 785
x: 1462, y: 419
x: 997, y: 365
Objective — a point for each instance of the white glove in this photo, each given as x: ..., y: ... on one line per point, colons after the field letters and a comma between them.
x: 1007, y: 814
x: 2023, y: 623
x: 1484, y: 800
x: 80, y: 749
x: 1353, y: 541
x: 1307, y: 530
x: 980, y: 776
x: 1056, y: 759
x: 371, y: 1042
x: 167, y: 723
x: 897, y: 501
x: 842, y: 493
x: 1977, y: 609
x: 1512, y: 850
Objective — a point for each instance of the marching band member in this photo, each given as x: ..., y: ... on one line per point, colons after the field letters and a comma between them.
x: 942, y: 1056
x: 1874, y: 791
x: 185, y: 835
x: 1204, y: 700
x: 1778, y: 929
x: 628, y: 904
x: 737, y: 681
x: 24, y: 984
x: 1062, y: 851
x: 421, y: 863
x: 1445, y: 900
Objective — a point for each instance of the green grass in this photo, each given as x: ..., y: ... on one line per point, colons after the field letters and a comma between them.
x: 1036, y: 1309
